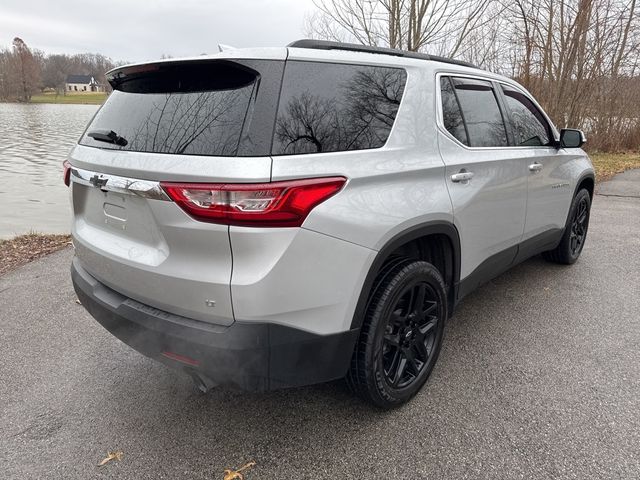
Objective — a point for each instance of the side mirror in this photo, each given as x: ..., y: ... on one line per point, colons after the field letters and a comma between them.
x: 570, y: 138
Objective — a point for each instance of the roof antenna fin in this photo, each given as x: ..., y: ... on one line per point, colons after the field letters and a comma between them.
x: 222, y: 47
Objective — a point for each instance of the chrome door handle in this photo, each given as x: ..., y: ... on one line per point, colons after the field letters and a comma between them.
x: 461, y: 177
x: 535, y: 167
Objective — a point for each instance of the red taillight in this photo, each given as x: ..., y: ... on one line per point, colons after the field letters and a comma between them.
x: 66, y: 172
x: 276, y: 204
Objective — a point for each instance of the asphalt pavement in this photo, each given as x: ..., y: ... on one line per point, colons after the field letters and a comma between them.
x: 539, y: 377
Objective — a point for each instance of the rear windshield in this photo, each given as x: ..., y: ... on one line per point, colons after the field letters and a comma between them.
x: 198, y: 109
x: 328, y: 107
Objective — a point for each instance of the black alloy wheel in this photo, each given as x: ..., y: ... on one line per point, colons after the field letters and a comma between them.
x: 579, y: 227
x: 575, y: 231
x: 401, y: 333
x: 410, y: 335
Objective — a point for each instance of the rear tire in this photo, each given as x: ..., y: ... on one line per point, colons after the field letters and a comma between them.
x: 401, y: 334
x: 575, y: 231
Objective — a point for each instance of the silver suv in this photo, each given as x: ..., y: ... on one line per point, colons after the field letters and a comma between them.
x: 278, y: 217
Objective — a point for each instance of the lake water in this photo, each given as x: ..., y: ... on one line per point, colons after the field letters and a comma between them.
x: 34, y: 141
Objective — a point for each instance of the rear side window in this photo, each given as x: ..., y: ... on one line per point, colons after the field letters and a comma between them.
x: 198, y: 108
x: 451, y: 113
x: 529, y: 126
x: 482, y: 117
x: 328, y: 107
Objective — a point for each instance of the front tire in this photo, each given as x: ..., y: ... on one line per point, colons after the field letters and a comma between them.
x: 575, y: 231
x: 401, y: 334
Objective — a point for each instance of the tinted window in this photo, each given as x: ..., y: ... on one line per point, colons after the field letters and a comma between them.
x: 330, y: 107
x: 451, y: 114
x: 529, y: 125
x: 199, y: 108
x: 482, y: 116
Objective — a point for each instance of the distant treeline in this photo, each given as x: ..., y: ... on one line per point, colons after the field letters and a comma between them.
x: 25, y: 72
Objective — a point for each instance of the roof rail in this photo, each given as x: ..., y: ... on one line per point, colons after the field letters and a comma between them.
x: 353, y: 47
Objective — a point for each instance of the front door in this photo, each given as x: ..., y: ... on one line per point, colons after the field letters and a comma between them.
x: 548, y: 171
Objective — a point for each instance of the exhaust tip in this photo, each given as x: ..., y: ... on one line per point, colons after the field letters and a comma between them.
x: 202, y: 383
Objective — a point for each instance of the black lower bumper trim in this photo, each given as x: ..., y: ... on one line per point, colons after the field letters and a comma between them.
x: 252, y: 356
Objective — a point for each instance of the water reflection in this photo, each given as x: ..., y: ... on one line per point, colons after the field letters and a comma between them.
x: 34, y: 141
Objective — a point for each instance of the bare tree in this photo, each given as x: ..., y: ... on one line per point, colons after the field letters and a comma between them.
x: 579, y: 58
x: 437, y: 26
x: 26, y: 69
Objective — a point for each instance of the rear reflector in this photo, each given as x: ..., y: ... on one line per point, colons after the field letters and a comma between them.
x: 66, y: 172
x: 181, y: 358
x: 276, y: 204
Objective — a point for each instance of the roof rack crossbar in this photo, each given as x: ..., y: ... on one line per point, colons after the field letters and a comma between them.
x: 353, y: 47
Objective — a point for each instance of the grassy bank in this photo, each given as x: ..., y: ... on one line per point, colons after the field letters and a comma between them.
x: 608, y: 164
x: 91, y: 98
x: 26, y: 248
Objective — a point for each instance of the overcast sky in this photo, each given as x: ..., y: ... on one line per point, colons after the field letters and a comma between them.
x: 137, y: 30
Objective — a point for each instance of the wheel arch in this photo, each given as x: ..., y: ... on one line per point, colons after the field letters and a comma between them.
x: 586, y: 180
x: 411, y: 239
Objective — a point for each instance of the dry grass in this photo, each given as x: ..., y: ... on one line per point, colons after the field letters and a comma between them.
x: 85, y: 98
x: 608, y: 164
x: 26, y: 248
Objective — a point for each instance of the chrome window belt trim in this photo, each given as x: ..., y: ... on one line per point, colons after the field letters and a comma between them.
x: 118, y: 184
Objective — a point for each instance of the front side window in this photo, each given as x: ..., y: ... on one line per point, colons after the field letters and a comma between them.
x: 327, y: 107
x: 530, y: 128
x: 482, y: 116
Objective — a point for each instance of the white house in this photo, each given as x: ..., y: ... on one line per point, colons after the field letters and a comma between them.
x: 82, y: 83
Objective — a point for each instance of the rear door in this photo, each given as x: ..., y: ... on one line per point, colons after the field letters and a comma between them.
x: 206, y: 121
x: 549, y: 175
x: 487, y: 179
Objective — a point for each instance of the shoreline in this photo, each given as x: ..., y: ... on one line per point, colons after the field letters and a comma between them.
x: 22, y: 249
x: 91, y: 98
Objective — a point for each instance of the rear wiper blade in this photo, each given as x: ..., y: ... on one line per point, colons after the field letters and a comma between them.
x: 108, y: 136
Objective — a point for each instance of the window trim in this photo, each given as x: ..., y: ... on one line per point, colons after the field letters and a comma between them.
x: 440, y: 115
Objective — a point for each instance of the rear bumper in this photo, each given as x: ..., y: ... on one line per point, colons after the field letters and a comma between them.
x: 252, y: 356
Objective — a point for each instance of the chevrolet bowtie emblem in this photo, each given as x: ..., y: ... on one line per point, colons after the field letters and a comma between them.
x: 98, y: 182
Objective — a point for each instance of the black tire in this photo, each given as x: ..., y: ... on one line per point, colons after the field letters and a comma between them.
x: 575, y: 231
x: 407, y: 309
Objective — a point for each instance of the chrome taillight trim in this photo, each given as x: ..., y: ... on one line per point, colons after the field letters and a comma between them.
x: 118, y: 184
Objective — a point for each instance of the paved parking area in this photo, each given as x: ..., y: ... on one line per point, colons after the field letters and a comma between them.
x: 539, y: 377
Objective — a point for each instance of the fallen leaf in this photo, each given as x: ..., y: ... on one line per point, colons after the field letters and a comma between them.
x: 237, y: 474
x: 110, y: 456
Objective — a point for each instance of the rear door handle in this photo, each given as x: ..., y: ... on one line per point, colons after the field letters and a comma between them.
x: 535, y: 167
x: 461, y: 176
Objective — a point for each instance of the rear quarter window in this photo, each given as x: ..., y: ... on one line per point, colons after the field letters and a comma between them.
x: 327, y: 107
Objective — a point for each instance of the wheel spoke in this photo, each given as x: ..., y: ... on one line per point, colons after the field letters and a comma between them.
x: 417, y: 299
x: 411, y: 359
x: 421, y: 349
x: 397, y: 319
x: 394, y: 363
x: 429, y: 325
x: 429, y: 310
x: 400, y: 369
x: 392, y: 339
x: 582, y: 217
